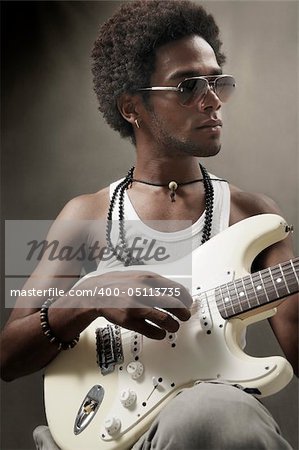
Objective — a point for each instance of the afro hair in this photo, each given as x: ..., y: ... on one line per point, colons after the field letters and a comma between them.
x: 124, y: 52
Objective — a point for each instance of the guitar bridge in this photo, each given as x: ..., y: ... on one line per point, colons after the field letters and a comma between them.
x: 109, y: 348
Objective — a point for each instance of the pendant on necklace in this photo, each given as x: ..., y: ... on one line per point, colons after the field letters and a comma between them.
x: 173, y: 187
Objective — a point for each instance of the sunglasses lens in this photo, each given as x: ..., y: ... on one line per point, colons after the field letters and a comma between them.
x: 192, y: 90
x: 224, y: 87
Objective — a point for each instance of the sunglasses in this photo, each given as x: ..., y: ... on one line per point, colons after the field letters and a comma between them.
x: 193, y: 90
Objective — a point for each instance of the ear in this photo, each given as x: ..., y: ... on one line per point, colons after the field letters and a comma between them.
x: 128, y: 107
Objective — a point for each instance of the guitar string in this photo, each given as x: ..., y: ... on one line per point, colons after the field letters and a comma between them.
x: 195, y: 309
x: 195, y: 316
x: 127, y: 334
x: 266, y: 284
x: 212, y: 306
x: 249, y: 288
x: 234, y: 302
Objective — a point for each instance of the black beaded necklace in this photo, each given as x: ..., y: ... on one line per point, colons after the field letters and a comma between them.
x: 124, y: 255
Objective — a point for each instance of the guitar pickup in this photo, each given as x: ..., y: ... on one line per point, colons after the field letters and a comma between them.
x: 136, y: 343
x: 88, y: 408
x: 204, y: 313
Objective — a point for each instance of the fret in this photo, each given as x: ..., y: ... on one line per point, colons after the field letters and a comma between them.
x: 234, y: 298
x: 293, y: 267
x: 273, y: 282
x: 260, y: 288
x: 254, y: 298
x: 281, y: 283
x: 246, y: 292
x: 268, y: 285
x: 228, y: 300
x: 239, y: 293
x: 283, y: 275
x: 290, y: 276
x: 227, y: 309
x: 219, y: 301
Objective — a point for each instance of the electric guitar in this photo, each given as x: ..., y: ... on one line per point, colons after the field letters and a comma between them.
x: 105, y: 392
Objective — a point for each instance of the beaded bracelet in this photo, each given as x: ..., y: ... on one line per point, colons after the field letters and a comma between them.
x: 47, y: 329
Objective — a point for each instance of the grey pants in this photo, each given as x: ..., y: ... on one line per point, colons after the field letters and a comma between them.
x: 205, y: 417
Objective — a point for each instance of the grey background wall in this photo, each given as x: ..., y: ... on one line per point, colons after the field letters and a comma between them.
x: 55, y: 145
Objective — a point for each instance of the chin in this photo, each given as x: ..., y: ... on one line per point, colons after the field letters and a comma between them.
x: 207, y: 151
x: 190, y: 147
x: 214, y: 151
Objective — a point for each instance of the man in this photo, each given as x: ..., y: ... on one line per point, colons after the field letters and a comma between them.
x: 142, y: 57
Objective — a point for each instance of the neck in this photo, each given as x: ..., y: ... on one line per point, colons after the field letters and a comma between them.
x: 163, y: 170
x: 260, y: 289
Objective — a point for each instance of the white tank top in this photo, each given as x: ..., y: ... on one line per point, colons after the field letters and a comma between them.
x: 178, y: 243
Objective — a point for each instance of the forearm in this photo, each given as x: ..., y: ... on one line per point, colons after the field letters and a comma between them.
x: 285, y: 326
x: 24, y: 347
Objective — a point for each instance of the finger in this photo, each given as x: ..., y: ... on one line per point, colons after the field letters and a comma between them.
x: 167, y: 302
x: 135, y: 320
x: 185, y: 296
x: 162, y: 319
x: 148, y: 330
x: 159, y: 282
x: 181, y: 313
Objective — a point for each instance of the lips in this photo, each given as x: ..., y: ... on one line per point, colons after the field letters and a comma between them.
x: 211, y: 124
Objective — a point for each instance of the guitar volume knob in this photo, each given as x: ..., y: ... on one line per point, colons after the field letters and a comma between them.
x: 112, y: 425
x: 128, y: 397
x: 135, y: 369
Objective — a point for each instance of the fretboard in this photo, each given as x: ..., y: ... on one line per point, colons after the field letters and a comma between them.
x: 258, y: 289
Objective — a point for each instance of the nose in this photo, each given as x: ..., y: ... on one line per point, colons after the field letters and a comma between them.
x: 210, y: 100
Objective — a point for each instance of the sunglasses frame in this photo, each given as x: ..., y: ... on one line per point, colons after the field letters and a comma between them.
x: 211, y: 83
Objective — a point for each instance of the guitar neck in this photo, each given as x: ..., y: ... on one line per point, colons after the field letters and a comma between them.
x: 259, y: 289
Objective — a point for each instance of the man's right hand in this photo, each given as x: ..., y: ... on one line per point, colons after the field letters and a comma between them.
x: 142, y: 301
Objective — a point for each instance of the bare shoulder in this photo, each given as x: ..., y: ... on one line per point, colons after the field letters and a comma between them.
x: 87, y: 206
x: 246, y: 204
x: 81, y: 218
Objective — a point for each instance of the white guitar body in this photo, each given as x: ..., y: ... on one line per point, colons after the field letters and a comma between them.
x: 206, y: 347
